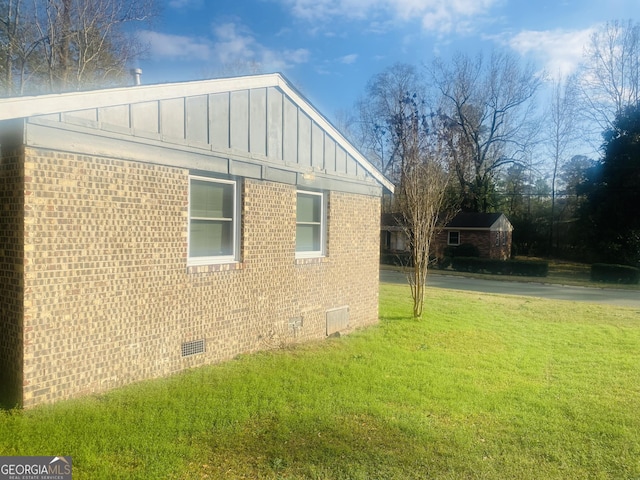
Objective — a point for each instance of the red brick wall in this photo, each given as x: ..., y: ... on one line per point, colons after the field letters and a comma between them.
x: 484, y: 240
x: 110, y: 299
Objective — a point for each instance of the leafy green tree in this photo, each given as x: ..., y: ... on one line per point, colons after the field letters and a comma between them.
x: 526, y: 200
x: 613, y: 192
x: 571, y: 236
x: 574, y: 174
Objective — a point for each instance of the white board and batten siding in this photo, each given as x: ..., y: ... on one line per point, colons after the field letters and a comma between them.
x: 243, y: 127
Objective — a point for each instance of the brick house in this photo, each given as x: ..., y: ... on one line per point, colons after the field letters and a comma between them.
x: 491, y: 233
x: 151, y: 229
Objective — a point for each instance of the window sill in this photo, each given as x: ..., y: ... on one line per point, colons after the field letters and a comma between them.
x: 311, y: 260
x: 215, y: 267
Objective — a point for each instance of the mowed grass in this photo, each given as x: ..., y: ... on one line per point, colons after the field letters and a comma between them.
x: 483, y: 387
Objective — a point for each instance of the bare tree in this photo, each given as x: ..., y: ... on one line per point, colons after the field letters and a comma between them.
x: 383, y: 100
x: 19, y: 42
x: 10, y: 27
x: 610, y: 74
x: 61, y: 45
x: 561, y: 135
x: 419, y: 140
x: 489, y: 104
x: 409, y: 142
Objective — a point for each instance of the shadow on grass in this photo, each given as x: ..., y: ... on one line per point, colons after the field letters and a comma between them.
x: 356, y: 446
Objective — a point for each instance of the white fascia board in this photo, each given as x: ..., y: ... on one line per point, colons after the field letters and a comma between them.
x: 317, y: 117
x: 18, y: 107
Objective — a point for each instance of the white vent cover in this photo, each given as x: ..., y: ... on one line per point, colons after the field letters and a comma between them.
x: 193, y: 348
x: 337, y: 319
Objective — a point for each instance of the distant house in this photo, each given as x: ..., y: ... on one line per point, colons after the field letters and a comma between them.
x: 491, y: 233
x: 151, y: 229
x: 393, y: 236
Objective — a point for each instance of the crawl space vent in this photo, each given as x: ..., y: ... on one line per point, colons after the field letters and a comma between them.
x: 192, y: 348
x: 337, y: 319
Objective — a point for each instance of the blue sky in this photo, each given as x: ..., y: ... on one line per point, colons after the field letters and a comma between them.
x: 329, y: 49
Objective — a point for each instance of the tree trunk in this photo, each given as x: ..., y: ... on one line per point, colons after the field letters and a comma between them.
x: 65, y: 44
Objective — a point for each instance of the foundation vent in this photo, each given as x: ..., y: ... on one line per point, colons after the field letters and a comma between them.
x: 193, y: 348
x: 337, y: 319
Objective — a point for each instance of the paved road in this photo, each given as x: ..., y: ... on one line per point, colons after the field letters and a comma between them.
x: 625, y: 298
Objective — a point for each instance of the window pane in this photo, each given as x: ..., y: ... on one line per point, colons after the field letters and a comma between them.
x: 211, y: 200
x: 309, y: 208
x: 308, y: 238
x: 310, y: 223
x: 210, y: 238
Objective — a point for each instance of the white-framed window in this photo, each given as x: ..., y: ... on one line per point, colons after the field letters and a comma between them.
x: 311, y: 224
x: 454, y: 238
x: 214, y: 219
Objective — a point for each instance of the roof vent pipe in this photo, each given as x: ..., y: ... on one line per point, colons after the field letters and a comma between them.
x: 137, y: 73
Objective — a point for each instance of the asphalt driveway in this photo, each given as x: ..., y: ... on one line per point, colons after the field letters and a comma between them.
x: 611, y: 296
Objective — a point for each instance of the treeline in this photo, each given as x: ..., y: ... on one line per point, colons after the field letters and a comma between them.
x: 512, y: 139
x: 60, y: 45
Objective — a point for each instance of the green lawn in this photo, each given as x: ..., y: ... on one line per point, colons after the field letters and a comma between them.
x: 485, y: 387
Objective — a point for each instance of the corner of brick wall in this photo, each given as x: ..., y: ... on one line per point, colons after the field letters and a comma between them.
x: 12, y: 195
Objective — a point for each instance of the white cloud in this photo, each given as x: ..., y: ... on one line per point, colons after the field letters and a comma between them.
x: 455, y: 15
x: 560, y: 51
x: 301, y: 55
x: 234, y: 44
x: 185, y: 3
x: 231, y: 46
x: 313, y: 9
x: 176, y: 46
x: 349, y: 59
x: 439, y: 16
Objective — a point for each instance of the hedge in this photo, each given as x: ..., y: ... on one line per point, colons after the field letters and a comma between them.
x: 400, y: 259
x: 462, y: 250
x: 529, y: 268
x: 603, y: 272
